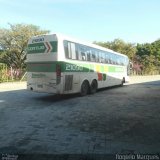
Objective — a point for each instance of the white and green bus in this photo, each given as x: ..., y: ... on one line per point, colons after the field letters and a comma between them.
x: 63, y: 65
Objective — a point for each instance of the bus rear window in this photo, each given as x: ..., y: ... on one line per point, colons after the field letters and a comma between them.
x: 70, y: 50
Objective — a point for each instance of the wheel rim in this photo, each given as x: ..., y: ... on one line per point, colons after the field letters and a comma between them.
x: 84, y: 89
x: 93, y: 87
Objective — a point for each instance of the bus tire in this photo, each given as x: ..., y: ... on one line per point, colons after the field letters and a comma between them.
x: 122, y: 82
x: 93, y: 87
x: 84, y: 88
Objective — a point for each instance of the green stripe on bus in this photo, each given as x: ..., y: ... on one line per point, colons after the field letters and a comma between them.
x: 77, y: 67
x: 115, y: 69
x: 41, y: 67
x: 70, y: 67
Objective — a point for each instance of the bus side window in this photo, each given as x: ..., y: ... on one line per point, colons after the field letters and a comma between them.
x: 103, y: 57
x: 107, y: 57
x: 113, y: 59
x: 97, y: 55
x: 70, y: 50
x: 83, y: 56
x: 93, y: 56
x: 124, y: 60
x: 88, y: 53
x: 110, y: 58
x: 66, y: 49
x: 100, y: 57
x: 77, y: 53
x: 82, y: 53
x: 118, y: 59
x: 121, y: 62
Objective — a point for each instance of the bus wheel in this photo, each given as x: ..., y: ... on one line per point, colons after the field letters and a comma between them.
x: 84, y: 88
x: 122, y: 82
x: 93, y: 87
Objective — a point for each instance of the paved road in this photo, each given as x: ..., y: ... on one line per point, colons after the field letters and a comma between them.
x: 116, y: 120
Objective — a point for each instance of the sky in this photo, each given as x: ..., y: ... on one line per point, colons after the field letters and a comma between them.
x: 134, y: 21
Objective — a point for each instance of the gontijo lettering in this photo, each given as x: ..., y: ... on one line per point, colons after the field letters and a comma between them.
x: 34, y: 48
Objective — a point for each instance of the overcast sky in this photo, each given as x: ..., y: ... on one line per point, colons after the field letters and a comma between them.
x: 91, y: 20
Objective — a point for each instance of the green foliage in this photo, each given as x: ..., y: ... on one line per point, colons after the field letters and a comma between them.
x: 149, y: 49
x: 156, y: 46
x: 3, y: 72
x: 13, y: 43
x: 150, y: 57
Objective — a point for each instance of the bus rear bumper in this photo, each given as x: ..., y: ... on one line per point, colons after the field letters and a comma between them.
x: 45, y: 88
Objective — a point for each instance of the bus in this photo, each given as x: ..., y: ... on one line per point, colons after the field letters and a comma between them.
x: 63, y: 65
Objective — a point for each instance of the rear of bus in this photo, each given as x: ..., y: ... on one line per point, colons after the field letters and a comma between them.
x: 43, y: 71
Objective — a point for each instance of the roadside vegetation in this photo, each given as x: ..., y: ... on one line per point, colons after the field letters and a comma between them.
x: 13, y: 49
x: 145, y: 58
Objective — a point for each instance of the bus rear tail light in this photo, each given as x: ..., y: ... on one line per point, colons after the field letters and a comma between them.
x: 58, y: 73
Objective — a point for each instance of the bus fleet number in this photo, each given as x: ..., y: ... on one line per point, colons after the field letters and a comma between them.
x: 73, y: 67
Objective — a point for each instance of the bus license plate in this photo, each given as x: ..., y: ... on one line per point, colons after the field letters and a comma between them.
x: 40, y: 86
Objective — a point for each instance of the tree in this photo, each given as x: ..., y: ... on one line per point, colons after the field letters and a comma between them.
x: 13, y: 43
x: 144, y: 49
x: 150, y: 56
x: 156, y: 47
x: 149, y: 64
x: 149, y: 49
